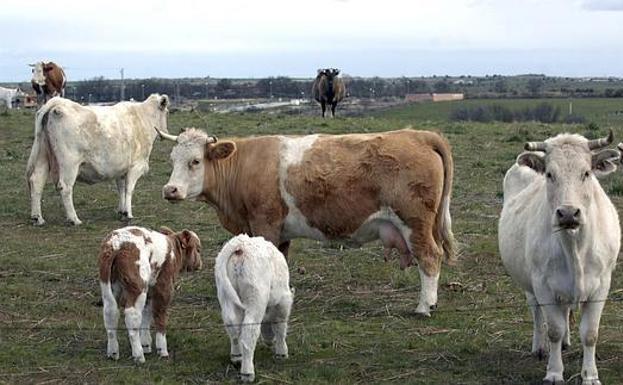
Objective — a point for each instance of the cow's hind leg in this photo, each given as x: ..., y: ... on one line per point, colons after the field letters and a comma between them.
x: 232, y: 318
x: 539, y: 334
x: 249, y: 333
x: 323, y: 105
x: 279, y: 322
x: 36, y: 183
x: 133, y: 320
x: 333, y: 105
x: 428, y: 255
x: 145, y: 332
x: 130, y: 182
x: 121, y: 208
x: 66, y: 181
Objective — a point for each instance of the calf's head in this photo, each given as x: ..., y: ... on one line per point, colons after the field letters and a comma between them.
x: 190, y: 248
x: 570, y: 164
x: 195, y: 158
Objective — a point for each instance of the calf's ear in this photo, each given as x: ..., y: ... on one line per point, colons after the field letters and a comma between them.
x: 603, y: 162
x: 164, y: 102
x: 185, y: 238
x: 220, y: 150
x: 534, y: 160
x: 166, y: 231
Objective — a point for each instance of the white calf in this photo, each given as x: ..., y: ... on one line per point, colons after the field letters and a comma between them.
x: 138, y: 267
x: 252, y: 282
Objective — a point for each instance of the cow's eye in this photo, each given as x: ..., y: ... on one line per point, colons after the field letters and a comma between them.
x: 586, y: 175
x: 195, y: 162
x: 549, y: 175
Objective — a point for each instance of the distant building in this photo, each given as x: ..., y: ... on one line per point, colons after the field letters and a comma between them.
x: 433, y: 97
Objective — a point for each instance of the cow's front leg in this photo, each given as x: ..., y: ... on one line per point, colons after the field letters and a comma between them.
x: 556, y: 326
x: 589, y: 331
x: 429, y: 283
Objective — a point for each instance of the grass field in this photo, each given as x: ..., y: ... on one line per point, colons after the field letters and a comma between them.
x: 353, y: 318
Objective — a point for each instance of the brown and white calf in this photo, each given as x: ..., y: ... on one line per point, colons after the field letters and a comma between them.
x: 137, y: 269
x: 393, y: 185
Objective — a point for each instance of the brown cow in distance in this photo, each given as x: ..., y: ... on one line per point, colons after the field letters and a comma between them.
x: 328, y: 89
x: 48, y: 80
x: 355, y: 188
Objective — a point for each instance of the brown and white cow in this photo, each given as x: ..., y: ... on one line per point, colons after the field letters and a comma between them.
x: 326, y: 187
x: 48, y: 80
x: 137, y: 268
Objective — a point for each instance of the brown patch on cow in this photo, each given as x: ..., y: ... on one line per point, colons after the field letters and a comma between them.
x: 54, y: 81
x: 245, y: 188
x: 140, y: 233
x: 342, y: 180
x: 120, y: 266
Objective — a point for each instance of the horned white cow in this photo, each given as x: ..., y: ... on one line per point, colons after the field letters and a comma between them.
x: 253, y: 288
x: 559, y: 238
x: 93, y: 144
x: 9, y: 94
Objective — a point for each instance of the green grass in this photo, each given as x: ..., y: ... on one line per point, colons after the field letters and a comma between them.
x: 353, y: 318
x: 602, y: 111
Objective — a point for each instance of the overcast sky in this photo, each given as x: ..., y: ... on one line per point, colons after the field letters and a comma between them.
x: 236, y: 38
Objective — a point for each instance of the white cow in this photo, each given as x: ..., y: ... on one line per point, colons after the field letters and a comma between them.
x: 559, y: 238
x: 92, y: 144
x: 253, y: 287
x: 9, y: 94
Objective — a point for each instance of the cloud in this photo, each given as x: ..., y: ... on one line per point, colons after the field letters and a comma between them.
x: 603, y: 5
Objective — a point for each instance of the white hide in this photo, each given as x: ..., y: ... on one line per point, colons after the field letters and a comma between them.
x: 560, y: 268
x: 7, y: 95
x: 93, y: 144
x: 137, y: 316
x: 253, y: 288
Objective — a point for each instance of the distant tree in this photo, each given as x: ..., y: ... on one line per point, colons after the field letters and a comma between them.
x: 501, y: 86
x: 535, y: 85
x: 222, y: 86
x: 441, y: 86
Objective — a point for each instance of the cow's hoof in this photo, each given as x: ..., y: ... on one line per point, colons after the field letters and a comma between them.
x: 113, y: 355
x: 423, y: 310
x: 280, y: 357
x: 247, y: 377
x: 591, y: 382
x: 433, y: 307
x: 37, y: 221
x: 139, y: 360
x: 73, y: 222
x: 540, y: 354
x: 553, y: 380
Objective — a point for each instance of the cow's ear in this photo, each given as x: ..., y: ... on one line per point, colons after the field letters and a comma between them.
x: 47, y: 67
x: 163, y: 102
x: 220, y: 150
x: 604, y: 162
x: 534, y: 160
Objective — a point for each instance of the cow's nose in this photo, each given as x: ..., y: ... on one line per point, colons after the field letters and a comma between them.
x: 170, y: 192
x: 568, y: 216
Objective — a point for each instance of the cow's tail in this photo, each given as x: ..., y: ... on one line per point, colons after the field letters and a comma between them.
x: 41, y: 146
x: 444, y: 235
x: 227, y: 295
x: 106, y: 261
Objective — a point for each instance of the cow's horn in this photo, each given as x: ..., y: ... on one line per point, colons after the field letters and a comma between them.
x: 212, y: 139
x: 601, y: 142
x: 31, y: 65
x: 535, y: 146
x: 164, y: 135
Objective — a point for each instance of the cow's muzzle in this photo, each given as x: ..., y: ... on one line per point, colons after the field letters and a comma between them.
x: 172, y: 193
x: 568, y: 217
